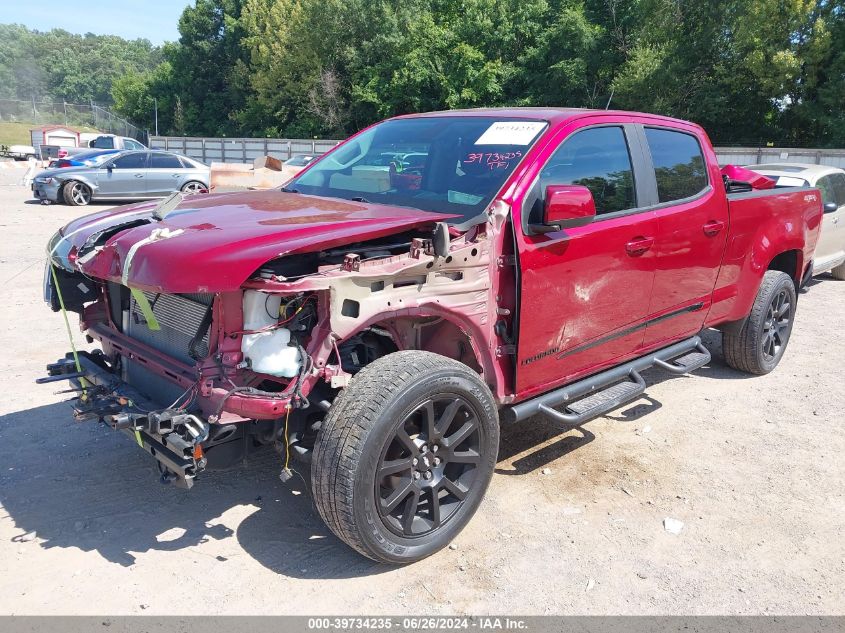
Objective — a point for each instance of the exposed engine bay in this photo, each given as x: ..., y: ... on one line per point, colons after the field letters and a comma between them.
x: 204, y: 379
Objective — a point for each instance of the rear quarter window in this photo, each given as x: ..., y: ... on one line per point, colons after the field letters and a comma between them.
x: 679, y: 165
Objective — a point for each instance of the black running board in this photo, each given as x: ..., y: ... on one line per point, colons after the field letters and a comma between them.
x: 594, y: 396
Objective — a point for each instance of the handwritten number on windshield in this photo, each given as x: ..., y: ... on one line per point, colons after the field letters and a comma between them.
x: 493, y: 160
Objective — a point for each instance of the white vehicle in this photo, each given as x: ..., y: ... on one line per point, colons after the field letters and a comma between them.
x: 830, y: 251
x: 21, y: 152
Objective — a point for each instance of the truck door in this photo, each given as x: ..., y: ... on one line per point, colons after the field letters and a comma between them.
x: 692, y: 227
x: 585, y: 292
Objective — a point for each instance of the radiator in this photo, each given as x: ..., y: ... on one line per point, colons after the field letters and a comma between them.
x: 180, y: 318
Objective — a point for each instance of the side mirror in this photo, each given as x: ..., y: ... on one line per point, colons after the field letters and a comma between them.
x: 110, y: 166
x: 830, y: 207
x: 566, y: 207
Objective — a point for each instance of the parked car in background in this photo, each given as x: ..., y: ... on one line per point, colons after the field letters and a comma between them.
x: 82, y: 160
x: 19, y: 152
x: 124, y: 176
x: 104, y: 141
x: 830, y: 252
x: 299, y: 160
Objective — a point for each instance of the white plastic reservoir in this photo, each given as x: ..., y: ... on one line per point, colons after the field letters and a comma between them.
x: 267, y: 352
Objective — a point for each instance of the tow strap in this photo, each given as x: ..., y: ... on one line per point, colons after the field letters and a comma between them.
x: 67, y: 327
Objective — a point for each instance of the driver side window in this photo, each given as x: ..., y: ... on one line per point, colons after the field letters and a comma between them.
x: 136, y: 160
x: 597, y: 158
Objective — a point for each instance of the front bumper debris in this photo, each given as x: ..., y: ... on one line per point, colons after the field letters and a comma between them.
x: 44, y: 191
x: 173, y: 437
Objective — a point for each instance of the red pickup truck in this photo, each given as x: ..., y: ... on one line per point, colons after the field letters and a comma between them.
x: 429, y: 279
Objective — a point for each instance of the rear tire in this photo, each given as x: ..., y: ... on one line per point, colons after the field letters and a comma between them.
x: 405, y: 455
x: 76, y: 194
x: 193, y: 186
x: 758, y: 347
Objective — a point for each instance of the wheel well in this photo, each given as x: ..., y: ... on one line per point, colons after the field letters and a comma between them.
x: 436, y: 334
x: 788, y: 262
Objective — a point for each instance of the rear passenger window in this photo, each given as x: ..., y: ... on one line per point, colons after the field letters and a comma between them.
x: 165, y: 161
x: 678, y: 164
x: 598, y: 159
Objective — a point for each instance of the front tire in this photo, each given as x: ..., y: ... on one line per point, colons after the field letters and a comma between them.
x: 759, y: 345
x: 76, y: 194
x: 405, y: 455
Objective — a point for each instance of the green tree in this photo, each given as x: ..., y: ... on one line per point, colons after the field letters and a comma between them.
x: 209, y: 68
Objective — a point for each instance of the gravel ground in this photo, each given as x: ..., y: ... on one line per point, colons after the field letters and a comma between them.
x: 572, y: 523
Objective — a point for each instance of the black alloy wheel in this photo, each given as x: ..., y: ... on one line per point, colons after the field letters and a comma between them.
x: 427, y: 469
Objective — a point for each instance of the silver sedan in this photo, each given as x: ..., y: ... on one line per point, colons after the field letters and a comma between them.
x: 134, y: 175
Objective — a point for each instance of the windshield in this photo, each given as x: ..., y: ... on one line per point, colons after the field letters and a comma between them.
x: 450, y: 164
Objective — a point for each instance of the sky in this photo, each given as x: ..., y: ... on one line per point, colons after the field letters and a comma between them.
x: 155, y: 20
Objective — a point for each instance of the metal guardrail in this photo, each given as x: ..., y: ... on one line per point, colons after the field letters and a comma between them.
x: 239, y: 150
x: 245, y: 150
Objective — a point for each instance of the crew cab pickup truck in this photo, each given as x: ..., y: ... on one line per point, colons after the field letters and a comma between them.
x: 382, y: 323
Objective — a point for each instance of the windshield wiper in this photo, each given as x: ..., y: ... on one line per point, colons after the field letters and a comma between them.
x: 359, y: 199
x: 290, y: 190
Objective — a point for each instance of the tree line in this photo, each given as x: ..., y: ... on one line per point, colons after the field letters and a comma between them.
x: 750, y: 71
x: 60, y: 66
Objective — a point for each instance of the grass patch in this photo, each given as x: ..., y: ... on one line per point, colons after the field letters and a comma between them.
x: 15, y: 133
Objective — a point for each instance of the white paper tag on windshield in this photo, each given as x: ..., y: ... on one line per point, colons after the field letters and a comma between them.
x: 510, y: 133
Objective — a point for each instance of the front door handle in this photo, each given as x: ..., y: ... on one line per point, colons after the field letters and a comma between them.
x: 713, y: 228
x: 639, y: 245
x: 139, y: 175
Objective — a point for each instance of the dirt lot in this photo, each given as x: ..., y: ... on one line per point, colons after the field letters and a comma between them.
x: 571, y: 524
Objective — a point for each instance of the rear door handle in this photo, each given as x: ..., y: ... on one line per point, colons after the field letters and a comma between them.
x: 639, y: 245
x: 139, y: 175
x: 713, y: 228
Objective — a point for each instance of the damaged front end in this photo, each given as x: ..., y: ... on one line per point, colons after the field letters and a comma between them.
x: 175, y: 437
x: 214, y: 345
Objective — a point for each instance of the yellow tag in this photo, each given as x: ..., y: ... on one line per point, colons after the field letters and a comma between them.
x: 138, y: 438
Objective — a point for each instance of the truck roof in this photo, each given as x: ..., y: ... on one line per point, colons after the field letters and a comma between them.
x: 550, y: 114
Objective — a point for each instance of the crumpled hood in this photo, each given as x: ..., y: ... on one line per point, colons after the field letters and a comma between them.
x: 214, y: 242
